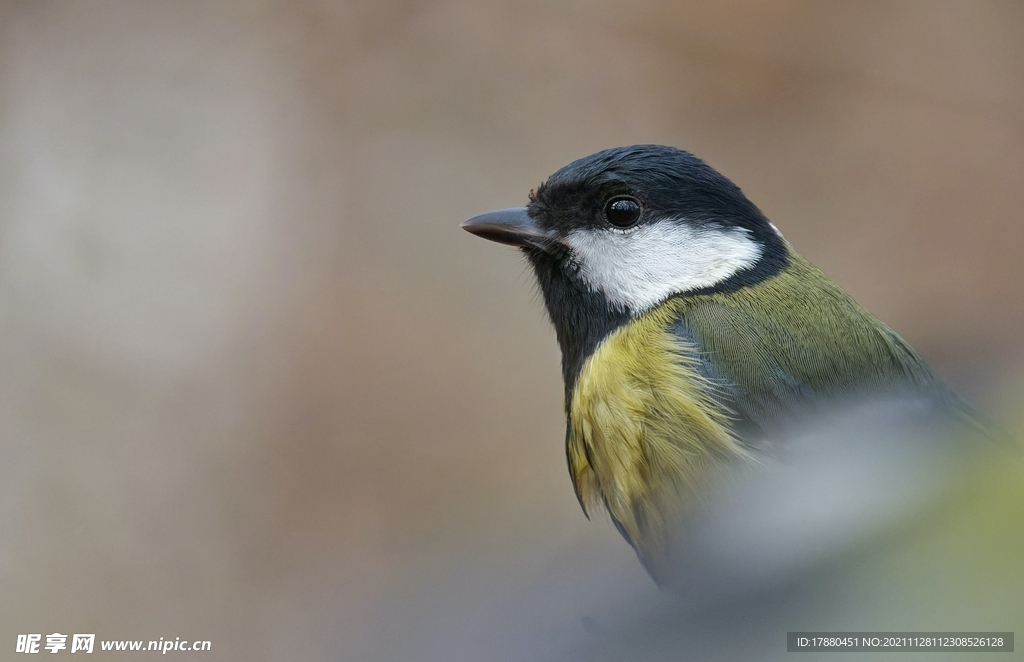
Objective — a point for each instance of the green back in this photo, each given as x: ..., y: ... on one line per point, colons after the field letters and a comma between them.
x: 793, y: 339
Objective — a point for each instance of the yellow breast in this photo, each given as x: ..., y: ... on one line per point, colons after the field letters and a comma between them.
x: 645, y: 432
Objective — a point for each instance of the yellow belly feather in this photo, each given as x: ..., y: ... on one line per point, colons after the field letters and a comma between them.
x: 645, y: 433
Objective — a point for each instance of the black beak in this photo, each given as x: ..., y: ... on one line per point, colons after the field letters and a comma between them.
x: 509, y: 226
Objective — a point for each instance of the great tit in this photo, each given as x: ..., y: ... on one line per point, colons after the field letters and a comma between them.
x: 692, y: 335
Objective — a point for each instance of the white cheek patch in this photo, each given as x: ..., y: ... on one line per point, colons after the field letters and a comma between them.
x: 639, y: 269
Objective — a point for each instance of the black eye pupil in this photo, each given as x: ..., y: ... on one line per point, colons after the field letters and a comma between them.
x: 622, y: 212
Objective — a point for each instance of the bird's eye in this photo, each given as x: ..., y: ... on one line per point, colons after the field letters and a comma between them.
x: 622, y: 212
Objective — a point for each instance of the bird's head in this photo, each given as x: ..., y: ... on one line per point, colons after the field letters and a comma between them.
x: 638, y: 225
x: 616, y: 233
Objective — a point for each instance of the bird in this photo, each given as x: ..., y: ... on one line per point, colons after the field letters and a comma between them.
x: 693, y: 336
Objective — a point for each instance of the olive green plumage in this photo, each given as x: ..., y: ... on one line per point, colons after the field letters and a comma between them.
x: 656, y: 411
x: 795, y: 338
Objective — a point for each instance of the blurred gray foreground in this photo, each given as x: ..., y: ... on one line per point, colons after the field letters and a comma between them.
x: 884, y: 517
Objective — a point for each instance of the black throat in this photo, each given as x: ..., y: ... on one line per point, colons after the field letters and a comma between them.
x: 582, y: 318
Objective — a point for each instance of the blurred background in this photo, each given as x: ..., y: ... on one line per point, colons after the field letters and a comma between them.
x: 259, y: 388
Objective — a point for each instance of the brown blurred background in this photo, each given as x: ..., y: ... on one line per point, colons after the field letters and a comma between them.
x: 259, y: 388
